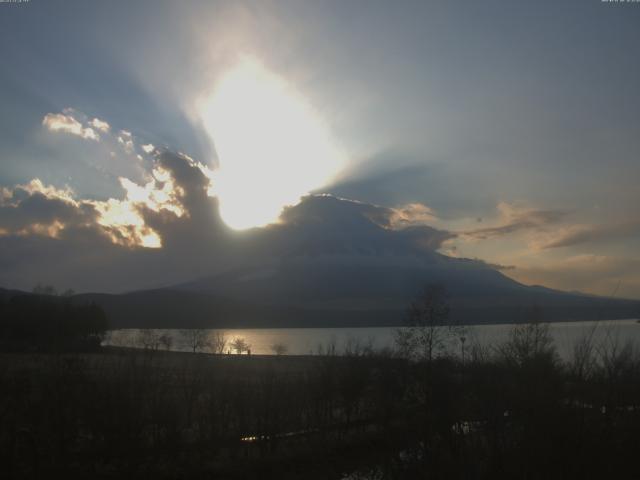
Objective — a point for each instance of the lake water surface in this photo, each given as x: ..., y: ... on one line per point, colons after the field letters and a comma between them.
x: 311, y: 341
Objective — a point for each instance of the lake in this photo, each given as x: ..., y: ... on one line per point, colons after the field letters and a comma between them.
x: 311, y: 341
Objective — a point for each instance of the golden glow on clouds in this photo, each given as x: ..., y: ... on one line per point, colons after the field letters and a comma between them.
x: 52, y: 229
x: 125, y: 225
x: 122, y: 217
x: 63, y: 122
x: 100, y: 125
x: 411, y: 214
x: 120, y: 220
x: 49, y: 191
x: 157, y: 194
x: 46, y: 230
x: 272, y: 146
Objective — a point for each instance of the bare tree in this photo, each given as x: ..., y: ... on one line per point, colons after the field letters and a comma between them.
x: 217, y: 342
x: 330, y: 349
x: 240, y: 345
x: 616, y: 356
x: 166, y: 341
x: 584, y: 360
x: 429, y: 328
x: 354, y: 347
x: 148, y: 339
x: 279, y: 348
x: 528, y: 341
x: 196, y: 338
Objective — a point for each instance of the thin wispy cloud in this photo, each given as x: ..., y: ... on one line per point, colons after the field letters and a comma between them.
x: 516, y: 219
x: 582, y: 234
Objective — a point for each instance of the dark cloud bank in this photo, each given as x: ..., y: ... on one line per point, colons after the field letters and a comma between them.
x: 50, y: 237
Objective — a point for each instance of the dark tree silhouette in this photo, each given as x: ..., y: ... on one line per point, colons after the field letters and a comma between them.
x: 429, y: 328
x: 240, y: 345
x: 45, y: 323
x: 196, y: 338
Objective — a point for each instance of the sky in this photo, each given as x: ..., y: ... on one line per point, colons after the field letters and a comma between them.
x: 146, y: 140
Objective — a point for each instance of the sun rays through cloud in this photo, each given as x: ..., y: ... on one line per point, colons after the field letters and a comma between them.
x: 273, y: 146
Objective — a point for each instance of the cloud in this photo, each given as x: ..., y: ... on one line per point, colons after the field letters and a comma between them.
x: 395, y: 177
x: 328, y: 224
x: 498, y: 266
x: 100, y: 125
x: 44, y: 210
x: 49, y: 234
x: 125, y: 140
x: 66, y: 123
x: 165, y: 227
x: 170, y: 227
x: 161, y: 231
x: 411, y: 214
x: 71, y: 121
x: 95, y: 168
x: 579, y: 234
x: 37, y: 209
x: 148, y: 148
x: 515, y: 219
x: 589, y: 273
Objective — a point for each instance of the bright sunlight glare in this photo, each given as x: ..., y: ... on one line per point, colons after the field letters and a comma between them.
x: 272, y: 146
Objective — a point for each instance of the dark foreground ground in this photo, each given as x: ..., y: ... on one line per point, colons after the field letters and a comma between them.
x: 150, y: 414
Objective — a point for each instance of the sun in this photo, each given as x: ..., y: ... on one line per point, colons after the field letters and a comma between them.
x: 272, y: 145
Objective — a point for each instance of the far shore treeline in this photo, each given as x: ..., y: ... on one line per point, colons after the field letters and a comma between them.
x: 48, y: 323
x: 169, y: 308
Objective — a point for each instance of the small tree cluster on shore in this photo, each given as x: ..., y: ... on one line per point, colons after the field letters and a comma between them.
x: 197, y: 340
x: 279, y: 348
x: 240, y: 345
